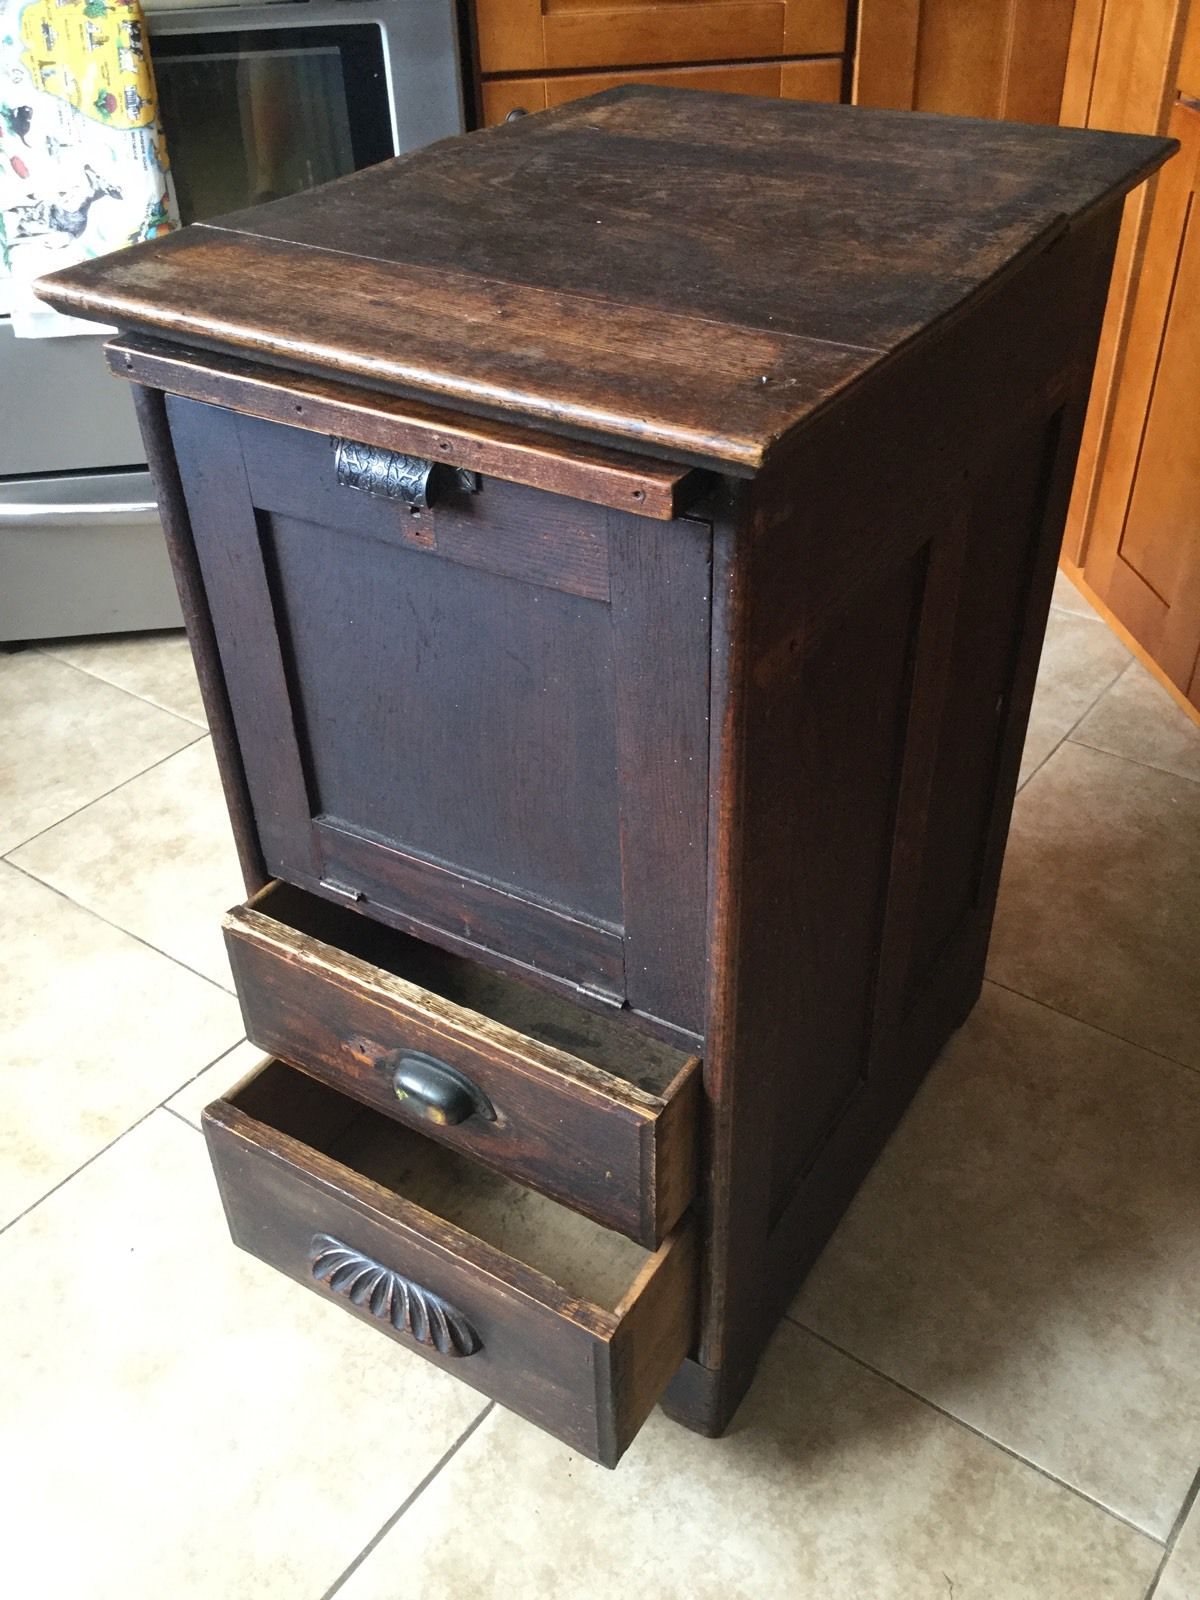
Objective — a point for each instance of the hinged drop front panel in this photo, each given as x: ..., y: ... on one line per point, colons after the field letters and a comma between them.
x: 483, y: 717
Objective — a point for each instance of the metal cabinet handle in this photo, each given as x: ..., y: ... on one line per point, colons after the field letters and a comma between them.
x: 516, y: 114
x: 391, y: 475
x: 391, y: 1297
x: 437, y: 1091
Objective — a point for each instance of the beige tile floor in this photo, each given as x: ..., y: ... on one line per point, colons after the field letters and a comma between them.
x: 988, y: 1389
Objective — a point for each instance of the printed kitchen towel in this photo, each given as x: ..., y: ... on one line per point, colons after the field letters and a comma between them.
x: 83, y: 164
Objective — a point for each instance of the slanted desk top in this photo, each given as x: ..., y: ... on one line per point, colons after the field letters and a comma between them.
x: 690, y: 274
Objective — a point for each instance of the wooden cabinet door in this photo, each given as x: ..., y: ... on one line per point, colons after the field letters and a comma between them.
x: 775, y: 80
x: 1143, y: 560
x: 485, y: 722
x: 994, y: 58
x: 541, y: 35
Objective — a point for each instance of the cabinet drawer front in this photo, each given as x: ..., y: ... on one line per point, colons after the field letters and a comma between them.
x: 524, y: 35
x: 351, y: 1205
x: 577, y: 1105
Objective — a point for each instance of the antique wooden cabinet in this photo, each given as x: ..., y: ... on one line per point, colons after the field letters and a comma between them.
x: 616, y: 548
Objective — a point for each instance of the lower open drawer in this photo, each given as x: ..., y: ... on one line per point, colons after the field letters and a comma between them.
x: 571, y: 1325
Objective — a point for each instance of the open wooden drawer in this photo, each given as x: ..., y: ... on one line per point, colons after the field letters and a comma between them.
x: 567, y: 1323
x: 585, y: 1107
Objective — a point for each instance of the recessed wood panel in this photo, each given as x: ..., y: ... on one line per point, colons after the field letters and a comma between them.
x: 488, y: 720
x: 1004, y: 530
x: 834, y: 800
x: 529, y: 35
x: 995, y: 58
x: 473, y: 705
x: 1143, y: 558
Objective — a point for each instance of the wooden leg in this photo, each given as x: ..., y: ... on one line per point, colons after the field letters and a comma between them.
x: 701, y: 1399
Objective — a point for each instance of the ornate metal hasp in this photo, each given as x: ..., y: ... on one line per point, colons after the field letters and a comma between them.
x: 392, y: 1298
x: 393, y: 476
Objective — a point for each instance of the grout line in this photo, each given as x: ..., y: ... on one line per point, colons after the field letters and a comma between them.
x: 1134, y: 761
x: 128, y: 933
x: 997, y: 1444
x: 397, y: 1514
x: 178, y: 1115
x: 1189, y: 1500
x: 100, y: 678
x: 95, y: 1156
x: 1135, y: 1044
x: 96, y: 798
x: 1113, y: 681
x: 1080, y: 616
x: 116, y: 1139
x: 187, y: 1083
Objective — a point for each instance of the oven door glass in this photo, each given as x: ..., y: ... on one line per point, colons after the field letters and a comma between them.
x: 259, y: 113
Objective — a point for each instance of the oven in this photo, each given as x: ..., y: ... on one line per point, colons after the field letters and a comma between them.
x: 257, y: 102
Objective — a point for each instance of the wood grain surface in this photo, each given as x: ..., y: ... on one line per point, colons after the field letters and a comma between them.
x: 587, y: 1109
x: 298, y: 1164
x: 690, y: 272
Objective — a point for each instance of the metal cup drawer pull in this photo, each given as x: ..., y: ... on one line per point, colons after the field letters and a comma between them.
x: 392, y: 1298
x: 391, y: 475
x: 436, y: 1091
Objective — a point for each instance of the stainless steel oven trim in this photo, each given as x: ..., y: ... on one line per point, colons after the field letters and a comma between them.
x: 420, y: 51
x: 86, y: 499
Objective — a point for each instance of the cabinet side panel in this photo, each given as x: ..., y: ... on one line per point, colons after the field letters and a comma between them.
x: 826, y: 753
x: 1007, y: 513
x: 919, y: 520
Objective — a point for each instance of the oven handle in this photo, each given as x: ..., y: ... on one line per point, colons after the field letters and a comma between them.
x: 23, y: 504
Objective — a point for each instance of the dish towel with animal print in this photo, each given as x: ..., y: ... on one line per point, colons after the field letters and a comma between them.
x: 83, y: 164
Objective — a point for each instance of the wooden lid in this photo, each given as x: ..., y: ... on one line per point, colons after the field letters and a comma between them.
x: 688, y: 274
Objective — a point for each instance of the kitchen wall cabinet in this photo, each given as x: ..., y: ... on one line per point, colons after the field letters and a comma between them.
x: 1143, y: 554
x: 1128, y: 541
x: 541, y: 35
x: 533, y: 54
x: 995, y: 58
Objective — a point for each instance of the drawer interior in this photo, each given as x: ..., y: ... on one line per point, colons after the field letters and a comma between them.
x: 612, y: 1043
x: 586, y: 1260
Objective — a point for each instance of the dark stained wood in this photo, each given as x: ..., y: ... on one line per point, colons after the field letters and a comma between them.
x: 661, y: 606
x: 239, y: 599
x: 586, y: 1109
x: 743, y: 777
x: 181, y: 549
x: 505, y: 528
x: 990, y: 465
x: 517, y: 455
x: 579, y: 1332
x: 496, y: 662
x: 422, y: 896
x: 670, y: 315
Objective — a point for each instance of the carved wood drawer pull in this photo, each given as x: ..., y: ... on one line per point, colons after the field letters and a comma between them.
x: 392, y: 1298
